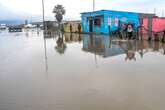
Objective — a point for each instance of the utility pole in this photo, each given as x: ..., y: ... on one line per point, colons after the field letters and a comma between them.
x: 163, y: 13
x: 93, y: 5
x: 45, y: 49
x: 155, y: 11
x: 43, y: 13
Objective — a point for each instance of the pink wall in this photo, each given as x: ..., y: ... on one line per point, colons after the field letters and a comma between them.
x: 158, y: 24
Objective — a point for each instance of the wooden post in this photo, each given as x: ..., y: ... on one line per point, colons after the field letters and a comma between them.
x: 149, y: 28
x: 137, y: 34
x: 109, y: 28
x: 140, y: 34
x: 163, y: 39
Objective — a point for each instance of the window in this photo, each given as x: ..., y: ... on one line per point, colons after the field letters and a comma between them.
x: 97, y: 22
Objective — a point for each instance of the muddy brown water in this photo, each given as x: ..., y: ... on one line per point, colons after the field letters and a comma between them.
x: 80, y: 72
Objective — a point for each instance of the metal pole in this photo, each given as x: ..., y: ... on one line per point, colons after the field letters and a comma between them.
x: 163, y: 13
x: 43, y: 13
x: 93, y: 5
x: 45, y: 49
x: 155, y: 11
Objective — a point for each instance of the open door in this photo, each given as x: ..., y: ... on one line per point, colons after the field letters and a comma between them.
x: 90, y: 25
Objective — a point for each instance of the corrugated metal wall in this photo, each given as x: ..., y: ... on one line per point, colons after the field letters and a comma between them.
x: 158, y: 24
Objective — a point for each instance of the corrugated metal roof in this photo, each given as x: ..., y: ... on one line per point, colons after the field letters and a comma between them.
x: 142, y: 14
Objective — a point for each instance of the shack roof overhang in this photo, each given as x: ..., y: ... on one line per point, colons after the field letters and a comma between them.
x: 101, y: 12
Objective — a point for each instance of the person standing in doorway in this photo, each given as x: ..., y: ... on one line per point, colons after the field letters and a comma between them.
x: 130, y: 31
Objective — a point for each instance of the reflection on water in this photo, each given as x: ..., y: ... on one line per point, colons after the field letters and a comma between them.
x: 104, y: 46
x: 61, y: 46
x: 64, y: 39
x: 80, y: 72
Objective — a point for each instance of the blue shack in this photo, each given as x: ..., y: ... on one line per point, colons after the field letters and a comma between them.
x: 99, y: 21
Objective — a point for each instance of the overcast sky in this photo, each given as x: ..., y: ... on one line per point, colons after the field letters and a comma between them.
x: 75, y: 7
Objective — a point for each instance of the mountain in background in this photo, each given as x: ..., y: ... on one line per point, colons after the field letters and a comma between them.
x: 10, y: 17
x: 12, y: 22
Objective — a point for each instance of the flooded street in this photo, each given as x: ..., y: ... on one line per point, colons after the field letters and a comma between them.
x: 80, y: 72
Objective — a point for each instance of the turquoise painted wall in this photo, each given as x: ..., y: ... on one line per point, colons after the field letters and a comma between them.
x: 113, y: 16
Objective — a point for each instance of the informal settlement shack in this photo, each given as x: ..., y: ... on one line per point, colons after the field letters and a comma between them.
x: 99, y: 21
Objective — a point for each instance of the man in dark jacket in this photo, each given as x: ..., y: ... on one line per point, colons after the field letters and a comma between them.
x: 130, y: 31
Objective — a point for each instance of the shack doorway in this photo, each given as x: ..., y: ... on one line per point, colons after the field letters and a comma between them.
x: 90, y: 25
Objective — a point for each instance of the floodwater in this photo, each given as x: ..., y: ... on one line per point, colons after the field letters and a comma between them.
x: 80, y: 72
